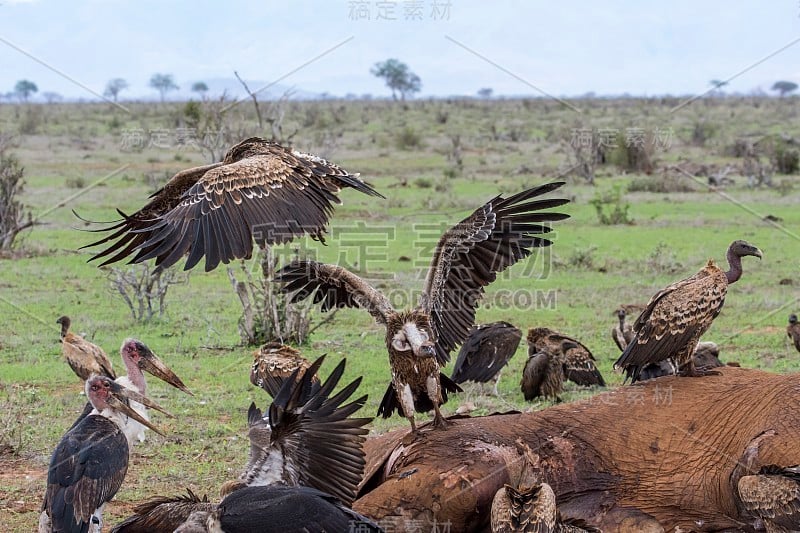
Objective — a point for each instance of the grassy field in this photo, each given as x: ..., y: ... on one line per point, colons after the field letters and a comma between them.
x: 94, y: 158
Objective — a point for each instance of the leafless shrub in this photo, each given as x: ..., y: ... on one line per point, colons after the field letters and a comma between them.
x: 267, y: 314
x: 14, y: 216
x: 144, y: 289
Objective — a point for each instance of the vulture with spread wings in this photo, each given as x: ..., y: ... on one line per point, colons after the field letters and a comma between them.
x: 260, y: 190
x: 466, y: 259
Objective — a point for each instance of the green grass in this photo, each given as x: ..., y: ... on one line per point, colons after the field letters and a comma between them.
x: 590, y: 270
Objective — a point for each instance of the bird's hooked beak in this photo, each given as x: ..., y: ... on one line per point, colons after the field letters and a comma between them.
x: 421, y: 344
x: 757, y: 253
x: 150, y: 362
x: 118, y: 401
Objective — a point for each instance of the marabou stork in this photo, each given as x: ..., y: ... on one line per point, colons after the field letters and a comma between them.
x: 89, y: 464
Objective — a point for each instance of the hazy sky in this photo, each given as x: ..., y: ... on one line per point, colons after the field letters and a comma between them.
x: 562, y: 48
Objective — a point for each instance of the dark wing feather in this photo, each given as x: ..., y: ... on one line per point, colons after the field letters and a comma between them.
x: 487, y: 350
x: 316, y: 433
x: 793, y: 332
x: 332, y: 287
x: 470, y: 254
x: 675, y: 317
x: 260, y: 191
x: 580, y: 366
x: 163, y: 513
x: 281, y: 509
x: 534, y: 375
x: 86, y: 470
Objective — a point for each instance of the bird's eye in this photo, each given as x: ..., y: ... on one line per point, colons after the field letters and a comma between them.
x: 400, y: 344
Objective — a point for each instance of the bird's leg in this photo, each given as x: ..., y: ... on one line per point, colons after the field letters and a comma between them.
x: 496, y: 380
x: 406, y: 398
x: 434, y: 393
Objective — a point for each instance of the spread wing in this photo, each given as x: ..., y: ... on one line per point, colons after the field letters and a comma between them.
x: 312, y: 435
x: 470, y: 254
x: 674, y: 318
x: 332, y: 287
x: 774, y: 495
x: 86, y: 470
x: 260, y: 191
x: 487, y: 350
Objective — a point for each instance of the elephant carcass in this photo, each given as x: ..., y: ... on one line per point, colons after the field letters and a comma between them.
x: 664, y: 454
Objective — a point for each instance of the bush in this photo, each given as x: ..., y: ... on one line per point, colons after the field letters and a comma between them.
x: 14, y: 216
x: 144, y: 289
x: 666, y: 183
x: 408, y: 139
x: 634, y: 155
x: 786, y: 158
x: 611, y: 208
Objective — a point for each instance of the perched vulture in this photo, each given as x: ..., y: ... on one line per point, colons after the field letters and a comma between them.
x: 676, y: 317
x: 89, y: 464
x: 543, y: 375
x: 526, y: 504
x: 793, y: 331
x: 486, y: 351
x: 273, y: 363
x: 82, y: 356
x: 466, y: 259
x: 774, y: 496
x: 260, y: 190
x: 622, y: 333
x: 580, y: 366
x: 306, y: 451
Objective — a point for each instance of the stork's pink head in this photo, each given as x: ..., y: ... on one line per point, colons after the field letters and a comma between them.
x: 137, y: 353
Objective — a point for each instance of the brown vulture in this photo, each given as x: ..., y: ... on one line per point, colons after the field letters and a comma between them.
x: 793, y: 331
x: 466, y: 259
x: 543, y: 375
x: 676, y: 317
x: 526, y: 504
x: 306, y: 461
x: 773, y: 495
x: 260, y: 190
x: 83, y: 357
x: 622, y: 333
x: 580, y: 366
x: 706, y: 355
x: 273, y: 363
x: 486, y: 351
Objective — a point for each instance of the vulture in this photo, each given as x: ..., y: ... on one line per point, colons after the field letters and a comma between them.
x: 89, y: 464
x: 622, y: 333
x: 677, y: 316
x: 306, y: 452
x: 706, y: 355
x: 273, y: 363
x: 260, y: 191
x: 543, y: 375
x: 163, y: 513
x: 527, y: 504
x: 793, y: 331
x: 486, y: 351
x: 773, y: 495
x: 466, y: 259
x: 580, y: 366
x: 278, y: 509
x: 83, y: 357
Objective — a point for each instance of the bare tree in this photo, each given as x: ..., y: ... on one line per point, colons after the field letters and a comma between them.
x: 14, y: 216
x: 144, y: 289
x: 51, y: 97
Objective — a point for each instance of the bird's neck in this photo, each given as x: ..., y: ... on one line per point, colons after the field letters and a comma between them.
x: 622, y: 323
x: 734, y: 267
x: 135, y: 376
